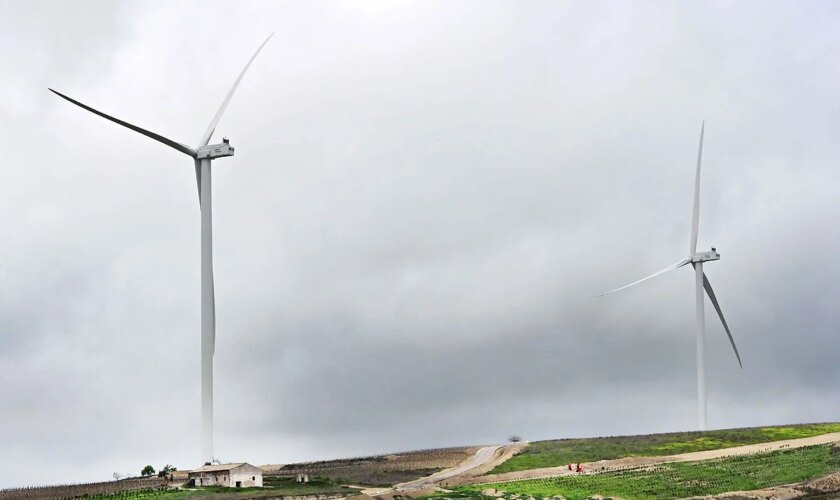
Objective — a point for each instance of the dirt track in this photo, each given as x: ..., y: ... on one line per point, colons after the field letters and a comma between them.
x: 481, y: 457
x: 503, y: 453
x: 485, y: 459
x: 640, y: 461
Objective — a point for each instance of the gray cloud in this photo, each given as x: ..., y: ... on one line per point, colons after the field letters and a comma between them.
x: 425, y: 199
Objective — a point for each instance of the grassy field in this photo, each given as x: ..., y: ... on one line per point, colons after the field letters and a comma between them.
x: 540, y: 454
x: 380, y: 477
x: 381, y: 470
x: 274, y: 487
x: 316, y: 485
x: 372, y: 476
x: 677, y: 480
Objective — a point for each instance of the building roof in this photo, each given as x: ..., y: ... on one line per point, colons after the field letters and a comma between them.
x: 221, y: 467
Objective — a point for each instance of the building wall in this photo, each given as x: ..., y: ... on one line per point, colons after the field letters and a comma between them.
x: 249, y: 476
x: 220, y: 478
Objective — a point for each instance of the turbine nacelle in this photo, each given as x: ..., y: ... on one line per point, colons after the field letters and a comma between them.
x: 705, y: 256
x: 215, y: 150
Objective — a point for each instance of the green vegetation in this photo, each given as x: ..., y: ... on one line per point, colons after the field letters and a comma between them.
x: 166, y: 470
x: 382, y: 470
x: 274, y: 486
x: 679, y: 479
x: 373, y: 477
x: 151, y: 493
x: 289, y: 486
x: 560, y: 452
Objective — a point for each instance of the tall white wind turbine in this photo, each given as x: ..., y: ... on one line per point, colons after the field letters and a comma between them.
x: 202, y: 155
x: 696, y: 259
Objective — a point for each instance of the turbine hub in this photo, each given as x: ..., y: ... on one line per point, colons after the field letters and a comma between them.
x: 705, y: 256
x: 212, y: 151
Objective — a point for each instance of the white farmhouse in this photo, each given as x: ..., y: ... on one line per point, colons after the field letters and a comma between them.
x: 239, y: 475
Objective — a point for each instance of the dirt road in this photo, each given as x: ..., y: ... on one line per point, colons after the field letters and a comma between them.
x: 483, y: 455
x: 481, y: 458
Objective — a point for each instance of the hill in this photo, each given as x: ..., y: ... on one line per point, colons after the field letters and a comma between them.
x: 379, y: 470
x: 680, y: 479
x: 555, y: 453
x: 784, y: 461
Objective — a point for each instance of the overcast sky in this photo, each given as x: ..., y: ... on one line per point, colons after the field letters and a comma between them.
x: 424, y: 201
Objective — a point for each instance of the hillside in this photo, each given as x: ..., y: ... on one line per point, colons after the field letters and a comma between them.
x: 787, y: 462
x: 555, y: 453
x: 783, y: 461
x: 380, y: 470
x: 678, y: 479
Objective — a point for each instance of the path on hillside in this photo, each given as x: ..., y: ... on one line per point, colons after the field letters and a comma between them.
x: 642, y: 461
x: 482, y: 457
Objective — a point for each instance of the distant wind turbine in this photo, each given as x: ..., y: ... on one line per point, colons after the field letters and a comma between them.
x: 202, y: 155
x: 701, y: 282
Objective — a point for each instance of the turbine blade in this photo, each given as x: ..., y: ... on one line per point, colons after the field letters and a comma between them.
x: 711, y: 293
x: 657, y: 273
x: 198, y: 178
x: 205, y: 139
x: 169, y: 142
x: 695, y: 216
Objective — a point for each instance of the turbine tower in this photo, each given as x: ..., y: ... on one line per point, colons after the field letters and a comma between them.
x: 202, y: 155
x: 701, y: 282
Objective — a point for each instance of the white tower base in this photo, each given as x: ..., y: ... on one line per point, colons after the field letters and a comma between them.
x: 208, y: 313
x: 701, y: 347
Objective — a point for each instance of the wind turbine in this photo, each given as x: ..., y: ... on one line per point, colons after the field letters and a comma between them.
x: 202, y: 155
x: 701, y: 282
